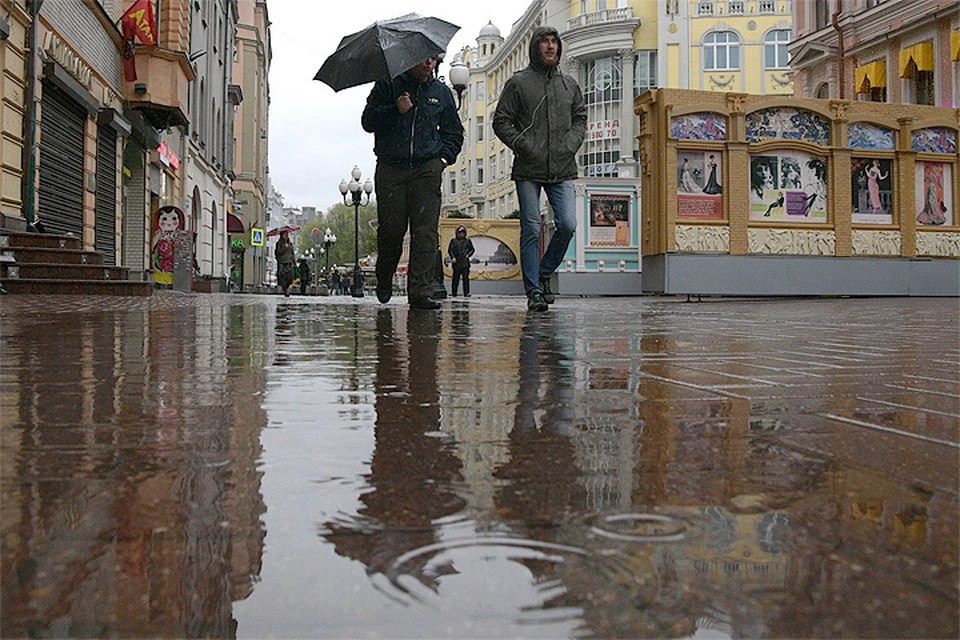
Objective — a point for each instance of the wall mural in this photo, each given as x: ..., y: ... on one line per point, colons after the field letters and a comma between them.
x: 864, y: 135
x: 787, y: 124
x: 699, y: 185
x: 872, y: 190
x: 699, y: 126
x: 790, y: 186
x: 934, y: 200
x: 934, y: 140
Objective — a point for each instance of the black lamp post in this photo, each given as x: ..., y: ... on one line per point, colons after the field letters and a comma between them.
x: 359, y: 197
x: 328, y: 240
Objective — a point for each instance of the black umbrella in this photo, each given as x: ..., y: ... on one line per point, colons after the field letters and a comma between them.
x: 385, y: 49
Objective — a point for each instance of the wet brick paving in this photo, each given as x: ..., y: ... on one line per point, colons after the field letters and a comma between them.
x: 205, y: 465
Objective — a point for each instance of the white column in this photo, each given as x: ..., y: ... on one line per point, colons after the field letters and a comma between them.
x: 627, y: 166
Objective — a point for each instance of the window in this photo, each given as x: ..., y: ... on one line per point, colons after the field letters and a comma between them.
x: 721, y: 51
x: 821, y: 14
x: 503, y: 163
x: 735, y: 7
x: 645, y: 72
x: 453, y: 183
x: 493, y: 168
x: 705, y: 9
x: 766, y: 6
x: 479, y: 173
x: 925, y: 88
x: 775, y: 54
x: 602, y: 93
x: 823, y: 91
x: 480, y: 129
x: 601, y: 5
x: 583, y: 6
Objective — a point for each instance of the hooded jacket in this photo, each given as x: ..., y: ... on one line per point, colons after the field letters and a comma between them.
x: 461, y: 248
x: 541, y: 116
x: 431, y: 129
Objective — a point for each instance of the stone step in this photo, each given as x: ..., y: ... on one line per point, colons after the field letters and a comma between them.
x: 62, y: 271
x: 77, y: 287
x: 10, y: 239
x: 47, y: 255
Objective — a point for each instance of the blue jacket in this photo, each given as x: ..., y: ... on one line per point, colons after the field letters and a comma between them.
x: 431, y: 129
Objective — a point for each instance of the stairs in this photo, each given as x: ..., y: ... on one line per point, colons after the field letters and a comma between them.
x: 53, y: 264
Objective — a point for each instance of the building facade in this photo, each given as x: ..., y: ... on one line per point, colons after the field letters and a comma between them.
x: 209, y: 144
x: 617, y: 50
x: 251, y: 68
x: 896, y: 51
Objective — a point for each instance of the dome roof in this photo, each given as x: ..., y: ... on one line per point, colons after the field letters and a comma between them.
x: 489, y: 30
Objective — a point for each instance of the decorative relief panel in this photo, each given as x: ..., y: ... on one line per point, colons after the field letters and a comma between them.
x: 702, y: 239
x: 876, y: 243
x: 798, y: 242
x: 941, y: 244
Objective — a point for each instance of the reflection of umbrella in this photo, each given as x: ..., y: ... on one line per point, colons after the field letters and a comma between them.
x: 279, y: 230
x: 385, y: 49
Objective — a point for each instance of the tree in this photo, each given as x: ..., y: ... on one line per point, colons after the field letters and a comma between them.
x: 340, y: 220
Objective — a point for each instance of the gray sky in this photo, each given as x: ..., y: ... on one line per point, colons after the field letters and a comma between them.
x: 315, y: 134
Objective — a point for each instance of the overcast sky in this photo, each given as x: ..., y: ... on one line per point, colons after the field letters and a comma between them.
x: 315, y: 134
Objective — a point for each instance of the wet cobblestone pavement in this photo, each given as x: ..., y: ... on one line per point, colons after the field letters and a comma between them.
x: 254, y: 466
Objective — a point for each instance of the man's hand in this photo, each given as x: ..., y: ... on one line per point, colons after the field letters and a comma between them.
x: 404, y: 103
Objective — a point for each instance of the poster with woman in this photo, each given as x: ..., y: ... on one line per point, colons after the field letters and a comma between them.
x: 789, y: 187
x: 699, y: 185
x: 872, y: 180
x: 609, y: 220
x: 934, y: 197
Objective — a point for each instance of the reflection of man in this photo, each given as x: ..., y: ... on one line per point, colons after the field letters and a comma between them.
x: 417, y: 133
x: 541, y: 116
x: 542, y: 471
x: 411, y: 473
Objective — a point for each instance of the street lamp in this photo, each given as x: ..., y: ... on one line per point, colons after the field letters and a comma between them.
x: 359, y: 196
x: 328, y: 239
x: 459, y: 77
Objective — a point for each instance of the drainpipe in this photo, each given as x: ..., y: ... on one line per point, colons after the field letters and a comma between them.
x: 29, y: 157
x: 835, y: 21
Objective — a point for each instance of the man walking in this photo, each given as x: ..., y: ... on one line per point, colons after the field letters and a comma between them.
x: 542, y: 118
x: 417, y: 133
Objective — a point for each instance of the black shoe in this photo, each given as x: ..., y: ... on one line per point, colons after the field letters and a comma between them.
x: 425, y: 302
x: 384, y: 294
x: 548, y: 295
x: 535, y: 301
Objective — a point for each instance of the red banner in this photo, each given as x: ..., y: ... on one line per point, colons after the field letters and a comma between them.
x: 138, y: 20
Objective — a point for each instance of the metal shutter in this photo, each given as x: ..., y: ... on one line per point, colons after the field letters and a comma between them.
x: 106, y: 203
x: 61, y: 162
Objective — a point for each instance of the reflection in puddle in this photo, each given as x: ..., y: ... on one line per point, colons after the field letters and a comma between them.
x: 247, y: 466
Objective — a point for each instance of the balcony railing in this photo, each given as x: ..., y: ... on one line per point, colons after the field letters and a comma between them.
x: 600, y: 17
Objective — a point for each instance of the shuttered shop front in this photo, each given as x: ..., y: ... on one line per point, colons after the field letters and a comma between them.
x: 106, y: 200
x: 60, y: 196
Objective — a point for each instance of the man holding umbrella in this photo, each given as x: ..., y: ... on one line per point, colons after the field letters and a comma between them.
x: 417, y: 133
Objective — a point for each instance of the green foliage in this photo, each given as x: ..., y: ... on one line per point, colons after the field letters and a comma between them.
x: 513, y: 215
x: 459, y: 214
x: 340, y: 220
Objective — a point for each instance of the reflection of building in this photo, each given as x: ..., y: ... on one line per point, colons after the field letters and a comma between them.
x: 136, y: 509
x: 616, y: 54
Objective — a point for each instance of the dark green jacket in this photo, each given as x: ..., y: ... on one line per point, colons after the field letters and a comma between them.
x: 541, y: 116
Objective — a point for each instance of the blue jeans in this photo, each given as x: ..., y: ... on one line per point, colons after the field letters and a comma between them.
x: 561, y: 198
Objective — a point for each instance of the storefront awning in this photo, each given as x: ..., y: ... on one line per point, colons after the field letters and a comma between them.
x: 955, y: 45
x: 234, y: 224
x: 874, y: 73
x: 922, y: 56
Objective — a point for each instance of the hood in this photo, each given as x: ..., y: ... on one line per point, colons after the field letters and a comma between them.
x: 539, y: 34
x: 461, y: 229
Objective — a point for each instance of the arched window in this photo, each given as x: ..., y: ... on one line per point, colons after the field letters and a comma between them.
x: 721, y: 51
x: 823, y: 91
x: 775, y: 54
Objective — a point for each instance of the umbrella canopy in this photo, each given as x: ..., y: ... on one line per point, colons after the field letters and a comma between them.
x: 385, y: 49
x: 279, y: 230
